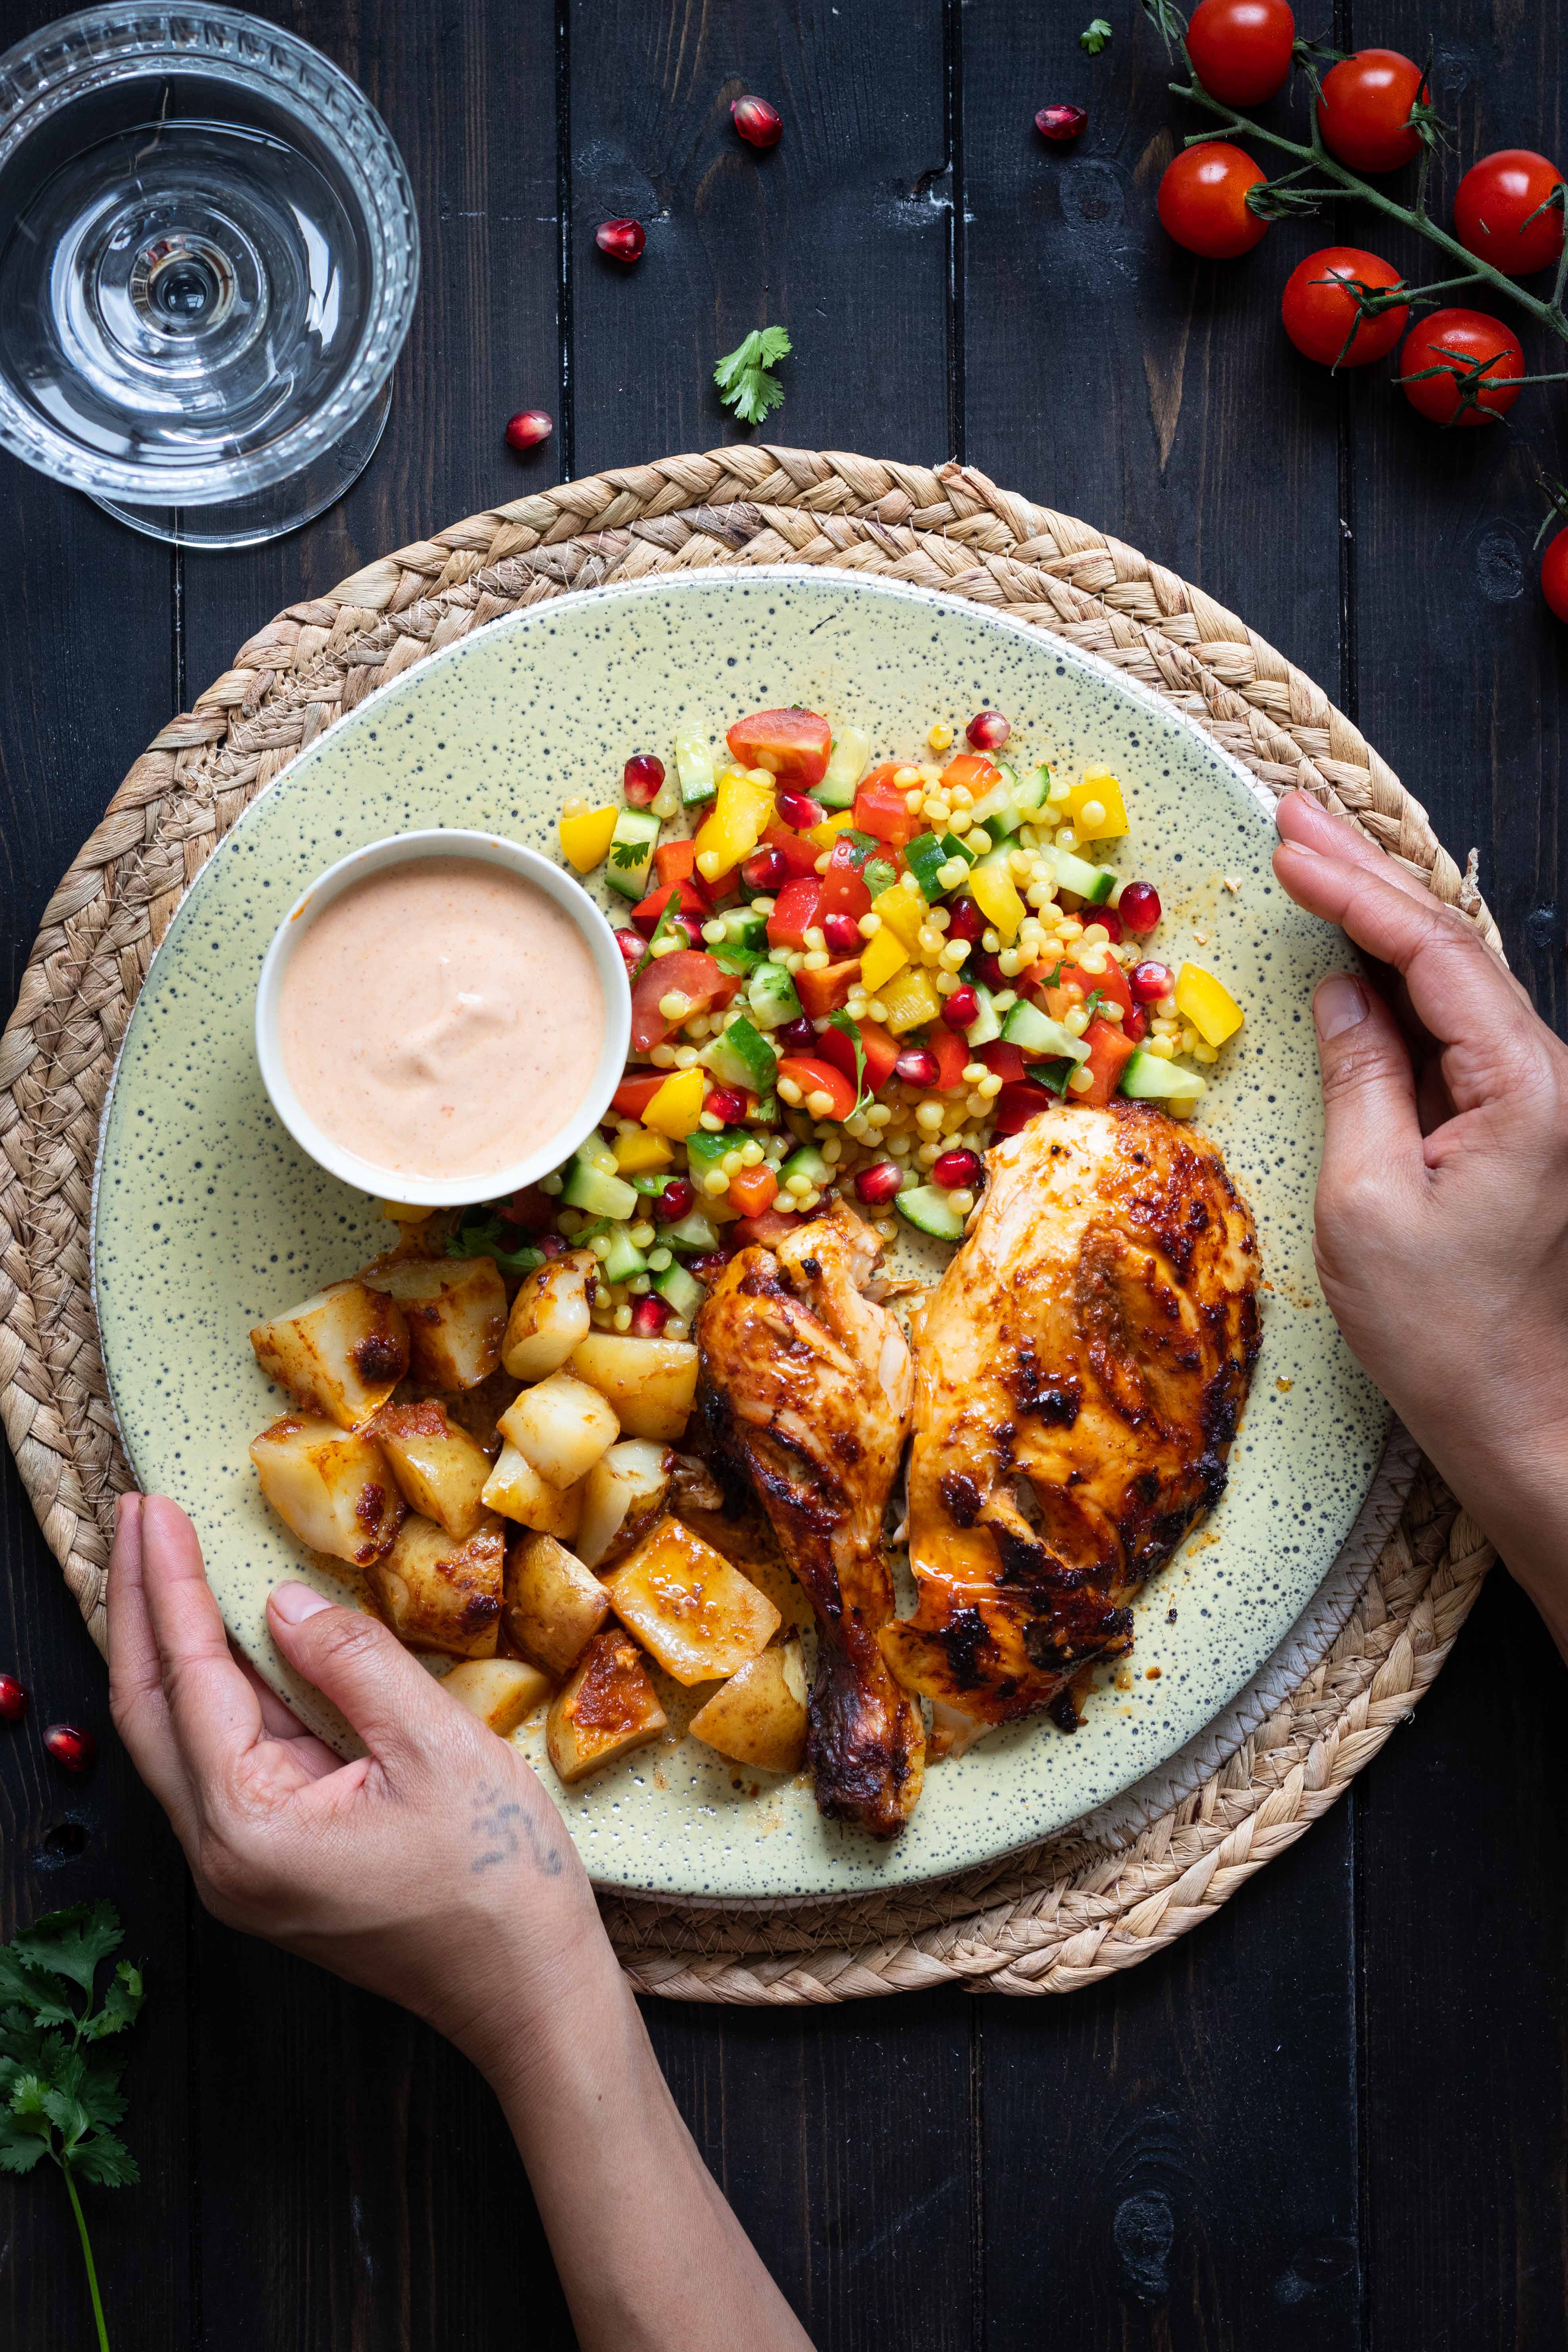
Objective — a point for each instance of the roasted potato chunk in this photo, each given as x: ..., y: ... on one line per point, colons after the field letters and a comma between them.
x: 332, y: 1487
x: 549, y: 1316
x: 516, y: 1490
x: 606, y: 1709
x: 625, y: 1485
x: 759, y: 1717
x: 553, y: 1604
x: 562, y: 1426
x: 500, y: 1691
x: 343, y: 1351
x: 455, y: 1312
x: 439, y: 1594
x: 701, y: 1618
x: 441, y: 1471
x: 650, y: 1382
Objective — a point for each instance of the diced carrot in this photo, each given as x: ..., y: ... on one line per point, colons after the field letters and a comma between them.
x: 952, y: 1056
x: 974, y: 770
x: 753, y: 1189
x: 814, y: 1077
x: 1074, y: 986
x: 675, y: 861
x: 795, y: 912
x: 1109, y: 1053
x: 821, y: 992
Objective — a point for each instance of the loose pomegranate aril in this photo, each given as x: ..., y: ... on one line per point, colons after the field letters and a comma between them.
x: 989, y: 971
x: 649, y: 1316
x: 1061, y: 121
x: 690, y: 924
x: 529, y: 427
x: 878, y: 1184
x: 1108, y: 921
x: 767, y: 870
x: 706, y: 1263
x: 799, y: 811
x: 758, y: 123
x: 842, y: 933
x: 988, y: 730
x: 727, y: 1103
x: 961, y: 1009
x: 797, y: 1036
x: 1149, y: 981
x: 641, y: 778
x: 675, y: 1200
x: 1135, y: 1025
x: 966, y: 921
x: 550, y: 1243
x: 959, y: 1168
x: 13, y: 1699
x: 633, y: 948
x: 1138, y: 907
x: 916, y: 1065
x: 73, y: 1749
x: 622, y: 241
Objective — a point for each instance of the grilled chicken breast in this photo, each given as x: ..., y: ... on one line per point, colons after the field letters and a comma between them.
x: 804, y: 1392
x: 1080, y: 1371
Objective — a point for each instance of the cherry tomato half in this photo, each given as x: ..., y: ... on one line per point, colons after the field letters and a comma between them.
x: 1203, y: 201
x: 1554, y: 574
x: 1320, y: 317
x: 1365, y: 110
x: 1495, y: 200
x: 1241, y: 50
x: 1449, y: 339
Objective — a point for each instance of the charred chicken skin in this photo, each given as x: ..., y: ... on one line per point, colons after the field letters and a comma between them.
x: 803, y: 1394
x: 1081, y: 1368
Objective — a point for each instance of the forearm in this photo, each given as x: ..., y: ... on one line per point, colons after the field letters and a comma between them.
x: 1512, y: 1479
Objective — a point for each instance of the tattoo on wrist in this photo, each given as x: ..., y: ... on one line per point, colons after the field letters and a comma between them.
x: 504, y: 1831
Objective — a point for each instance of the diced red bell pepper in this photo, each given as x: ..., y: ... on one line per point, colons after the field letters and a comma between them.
x: 843, y: 890
x: 753, y: 1189
x: 530, y: 1208
x: 688, y: 972
x: 952, y: 1056
x: 880, y: 806
x: 1109, y: 1054
x: 974, y: 770
x: 813, y: 1076
x: 821, y: 992
x: 769, y: 1226
x: 881, y: 1052
x: 792, y: 745
x: 1006, y: 1061
x: 1059, y: 998
x: 799, y: 854
x: 646, y: 912
x: 636, y: 1091
x: 797, y: 910
x: 1016, y: 1106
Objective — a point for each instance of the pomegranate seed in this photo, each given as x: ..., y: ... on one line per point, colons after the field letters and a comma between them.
x: 1138, y: 907
x: 768, y: 870
x: 988, y: 730
x: 967, y: 921
x: 622, y: 241
x: 1061, y: 121
x: 961, y: 1009
x: 874, y: 1185
x: 986, y: 969
x: 959, y: 1168
x: 13, y: 1699
x: 1109, y: 921
x: 550, y: 1243
x: 641, y: 778
x: 649, y: 1316
x: 675, y: 1200
x: 691, y: 925
x: 797, y: 1036
x: 529, y: 427
x: 632, y: 946
x: 71, y: 1747
x: 727, y: 1103
x: 1150, y: 980
x: 842, y: 933
x: 916, y: 1065
x: 706, y: 1263
x: 799, y: 811
x: 1135, y: 1025
x: 758, y: 123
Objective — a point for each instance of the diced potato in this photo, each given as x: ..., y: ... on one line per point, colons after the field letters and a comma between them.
x: 759, y: 1717
x: 650, y: 1382
x: 549, y: 1316
x: 441, y: 1471
x: 562, y: 1426
x: 332, y: 1487
x: 624, y: 1485
x: 701, y: 1618
x: 500, y: 1691
x: 344, y: 1352
x: 606, y: 1709
x: 456, y: 1311
x: 553, y: 1604
x: 439, y: 1594
x: 517, y: 1491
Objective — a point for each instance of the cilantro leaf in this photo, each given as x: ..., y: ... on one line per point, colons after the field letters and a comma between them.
x: 1053, y: 1075
x: 627, y: 853
x: 1094, y: 37
x: 850, y: 1029
x: 743, y: 375
x: 69, y: 1943
x: 485, y: 1237
x: 107, y: 2162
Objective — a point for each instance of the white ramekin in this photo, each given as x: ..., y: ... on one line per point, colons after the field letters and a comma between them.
x: 483, y: 1184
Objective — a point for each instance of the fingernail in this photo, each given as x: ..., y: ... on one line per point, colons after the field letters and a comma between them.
x: 1338, y: 1005
x: 294, y: 1602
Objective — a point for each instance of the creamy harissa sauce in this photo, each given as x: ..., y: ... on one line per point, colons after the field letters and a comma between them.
x: 443, y: 1017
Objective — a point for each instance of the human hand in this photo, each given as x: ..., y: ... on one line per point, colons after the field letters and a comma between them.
x: 1442, y: 1206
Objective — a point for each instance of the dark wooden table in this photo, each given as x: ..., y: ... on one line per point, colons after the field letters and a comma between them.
x: 1334, y: 2119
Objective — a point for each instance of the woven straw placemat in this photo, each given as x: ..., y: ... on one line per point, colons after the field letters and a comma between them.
x: 1047, y: 1920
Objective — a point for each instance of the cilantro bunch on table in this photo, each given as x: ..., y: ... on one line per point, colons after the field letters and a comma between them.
x: 744, y: 377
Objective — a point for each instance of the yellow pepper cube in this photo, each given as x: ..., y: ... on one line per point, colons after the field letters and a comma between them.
x: 910, y: 1000
x: 677, y: 1109
x: 641, y: 1151
x: 1096, y: 806
x: 903, y: 912
x: 882, y: 957
x: 585, y: 840
x: 824, y: 836
x: 742, y: 811
x: 1212, y: 1010
x: 990, y: 886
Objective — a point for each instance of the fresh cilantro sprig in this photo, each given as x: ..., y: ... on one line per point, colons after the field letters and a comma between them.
x: 744, y: 377
x: 850, y: 1029
x: 626, y: 853
x: 59, y: 2091
x: 479, y: 1236
x: 1094, y: 37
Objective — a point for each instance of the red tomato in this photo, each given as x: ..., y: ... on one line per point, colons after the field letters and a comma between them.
x: 952, y: 1058
x: 1241, y: 50
x: 636, y: 1091
x: 687, y: 973
x: 1365, y: 110
x: 1109, y: 1054
x: 1494, y: 206
x: 799, y: 855
x: 813, y: 1076
x: 1203, y: 201
x: 647, y: 911
x: 1451, y: 340
x: 1007, y: 1061
x: 1322, y: 319
x: 1016, y: 1106
x: 1554, y: 574
x: 844, y: 890
x: 795, y: 912
x: 880, y: 806
x: 828, y: 991
x: 880, y: 1052
x: 792, y: 745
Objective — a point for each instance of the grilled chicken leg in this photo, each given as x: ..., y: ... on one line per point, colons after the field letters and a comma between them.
x: 1087, y: 1354
x: 803, y: 1394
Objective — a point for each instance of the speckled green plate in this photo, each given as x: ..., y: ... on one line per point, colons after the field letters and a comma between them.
x: 208, y: 1217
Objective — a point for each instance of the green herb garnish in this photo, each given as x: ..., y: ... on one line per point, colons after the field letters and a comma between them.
x: 1094, y: 37
x: 668, y: 923
x: 850, y: 1029
x: 487, y: 1236
x: 743, y: 375
x: 1052, y: 1075
x: 627, y: 853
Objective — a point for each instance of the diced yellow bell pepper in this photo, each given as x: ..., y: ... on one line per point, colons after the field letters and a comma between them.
x: 1098, y: 790
x: 882, y: 957
x: 911, y: 1000
x: 406, y: 1213
x: 903, y: 912
x: 1212, y: 1010
x: 677, y: 1109
x: 741, y: 812
x: 825, y: 835
x: 585, y: 840
x: 993, y: 891
x: 640, y: 1150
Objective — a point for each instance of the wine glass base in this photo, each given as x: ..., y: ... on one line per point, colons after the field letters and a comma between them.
x: 267, y: 514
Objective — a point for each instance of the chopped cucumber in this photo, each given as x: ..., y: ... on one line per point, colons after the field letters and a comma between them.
x: 742, y: 929
x: 925, y: 857
x: 1034, y: 1032
x: 987, y: 1026
x: 631, y: 852
x: 771, y: 995
x: 1147, y: 1078
x: 694, y: 763
x: 740, y: 962
x: 692, y: 1232
x: 995, y: 807
x: 845, y: 766
x: 1030, y: 792
x: 680, y: 1290
x: 1093, y: 884
x: 623, y: 1262
x: 806, y: 1161
x: 596, y: 1192
x: 704, y: 1150
x: 926, y: 1208
x: 741, y: 1056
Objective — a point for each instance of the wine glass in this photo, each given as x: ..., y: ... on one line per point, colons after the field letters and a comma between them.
x: 208, y: 260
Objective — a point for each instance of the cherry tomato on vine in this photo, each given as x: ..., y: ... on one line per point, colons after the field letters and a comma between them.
x: 1320, y: 317
x: 1554, y: 575
x: 1203, y: 201
x: 1241, y: 49
x: 1494, y: 203
x: 1365, y: 110
x: 1450, y: 339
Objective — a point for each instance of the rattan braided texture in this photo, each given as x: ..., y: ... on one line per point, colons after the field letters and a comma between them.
x: 1045, y: 1921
